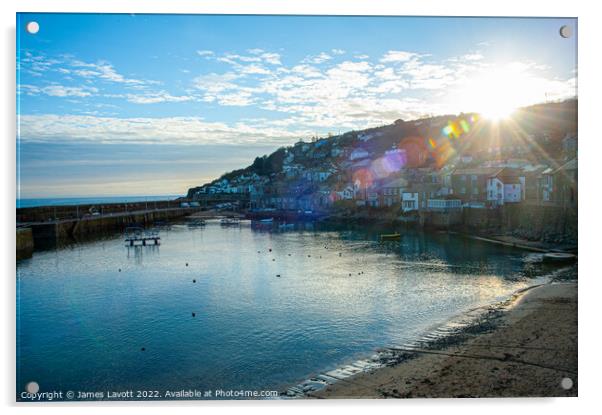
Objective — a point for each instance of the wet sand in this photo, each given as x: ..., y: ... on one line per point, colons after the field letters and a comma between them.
x: 531, y: 348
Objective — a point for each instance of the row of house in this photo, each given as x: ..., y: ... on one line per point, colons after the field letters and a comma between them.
x: 306, y: 182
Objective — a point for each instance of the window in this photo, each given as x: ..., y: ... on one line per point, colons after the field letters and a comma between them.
x: 463, y: 190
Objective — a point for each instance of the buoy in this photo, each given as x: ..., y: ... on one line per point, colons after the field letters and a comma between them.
x: 119, y: 269
x: 350, y: 274
x: 270, y: 249
x: 193, y: 314
x: 289, y: 254
x: 278, y: 275
x: 187, y: 264
x: 273, y: 259
x: 193, y: 280
x: 143, y: 349
x: 309, y: 256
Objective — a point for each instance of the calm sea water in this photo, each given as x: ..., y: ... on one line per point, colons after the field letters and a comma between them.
x: 82, y: 324
x: 71, y: 201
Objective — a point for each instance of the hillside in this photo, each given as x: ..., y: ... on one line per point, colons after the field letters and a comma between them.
x: 533, y: 133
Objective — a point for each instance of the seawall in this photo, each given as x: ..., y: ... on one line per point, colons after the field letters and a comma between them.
x: 51, y: 234
x: 550, y: 224
x: 24, y: 242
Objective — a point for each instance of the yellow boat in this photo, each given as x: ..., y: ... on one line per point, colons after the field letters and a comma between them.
x: 390, y: 237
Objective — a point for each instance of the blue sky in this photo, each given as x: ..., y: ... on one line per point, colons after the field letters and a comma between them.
x: 154, y: 104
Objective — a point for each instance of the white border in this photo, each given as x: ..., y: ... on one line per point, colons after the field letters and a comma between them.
x: 590, y: 153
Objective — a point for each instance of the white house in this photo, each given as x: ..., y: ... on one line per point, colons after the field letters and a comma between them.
x: 348, y: 193
x: 358, y: 154
x: 505, y: 187
x: 409, y: 201
x: 368, y: 136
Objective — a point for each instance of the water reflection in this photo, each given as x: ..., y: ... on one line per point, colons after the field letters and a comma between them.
x: 137, y: 252
x: 272, y: 305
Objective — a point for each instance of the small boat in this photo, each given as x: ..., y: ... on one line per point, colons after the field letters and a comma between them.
x: 286, y: 226
x: 230, y: 222
x: 197, y: 223
x: 559, y: 257
x: 268, y: 220
x: 390, y: 237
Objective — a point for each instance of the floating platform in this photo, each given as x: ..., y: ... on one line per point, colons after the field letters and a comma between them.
x: 140, y: 237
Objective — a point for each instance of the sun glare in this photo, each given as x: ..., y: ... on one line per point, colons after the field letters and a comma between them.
x: 496, y: 111
x: 496, y: 94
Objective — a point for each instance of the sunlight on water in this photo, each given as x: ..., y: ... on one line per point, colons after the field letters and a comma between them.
x: 262, y: 319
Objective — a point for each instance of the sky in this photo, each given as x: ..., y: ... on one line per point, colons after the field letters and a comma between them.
x: 154, y: 104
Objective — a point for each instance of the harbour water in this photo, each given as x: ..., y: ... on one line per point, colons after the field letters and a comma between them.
x: 248, y: 308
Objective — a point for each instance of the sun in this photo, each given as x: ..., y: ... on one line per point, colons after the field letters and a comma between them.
x: 496, y: 111
x: 495, y: 94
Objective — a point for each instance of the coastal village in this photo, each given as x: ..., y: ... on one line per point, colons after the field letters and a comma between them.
x: 427, y: 169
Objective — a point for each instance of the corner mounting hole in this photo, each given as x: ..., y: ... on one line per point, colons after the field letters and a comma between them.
x: 32, y: 27
x: 32, y: 387
x: 566, y: 383
x: 566, y: 31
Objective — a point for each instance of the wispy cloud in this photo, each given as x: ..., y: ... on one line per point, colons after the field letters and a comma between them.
x: 166, y: 130
x: 324, y: 90
x: 58, y: 90
x: 398, y: 56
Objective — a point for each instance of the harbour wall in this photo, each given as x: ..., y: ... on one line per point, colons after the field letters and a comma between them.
x: 24, y: 242
x: 50, y: 234
x: 53, y: 213
x: 553, y: 224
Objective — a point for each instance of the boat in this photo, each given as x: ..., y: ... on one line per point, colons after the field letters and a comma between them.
x: 390, y: 237
x: 558, y: 257
x: 197, y: 223
x: 268, y: 220
x: 230, y: 222
x: 286, y: 226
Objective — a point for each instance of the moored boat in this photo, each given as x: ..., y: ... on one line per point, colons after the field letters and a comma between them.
x: 197, y: 223
x: 558, y: 257
x: 390, y: 237
x: 230, y: 221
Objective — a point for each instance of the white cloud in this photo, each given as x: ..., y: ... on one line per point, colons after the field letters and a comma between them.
x: 205, y: 52
x: 338, y: 51
x: 271, y: 58
x: 307, y: 71
x: 254, y: 69
x: 104, y: 70
x: 240, y: 99
x: 156, y: 97
x: 169, y: 130
x: 59, y: 90
x: 215, y: 83
x: 398, y: 56
x: 473, y: 57
x: 317, y: 59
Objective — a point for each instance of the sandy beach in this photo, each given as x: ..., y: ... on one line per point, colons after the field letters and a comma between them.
x: 530, y: 350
